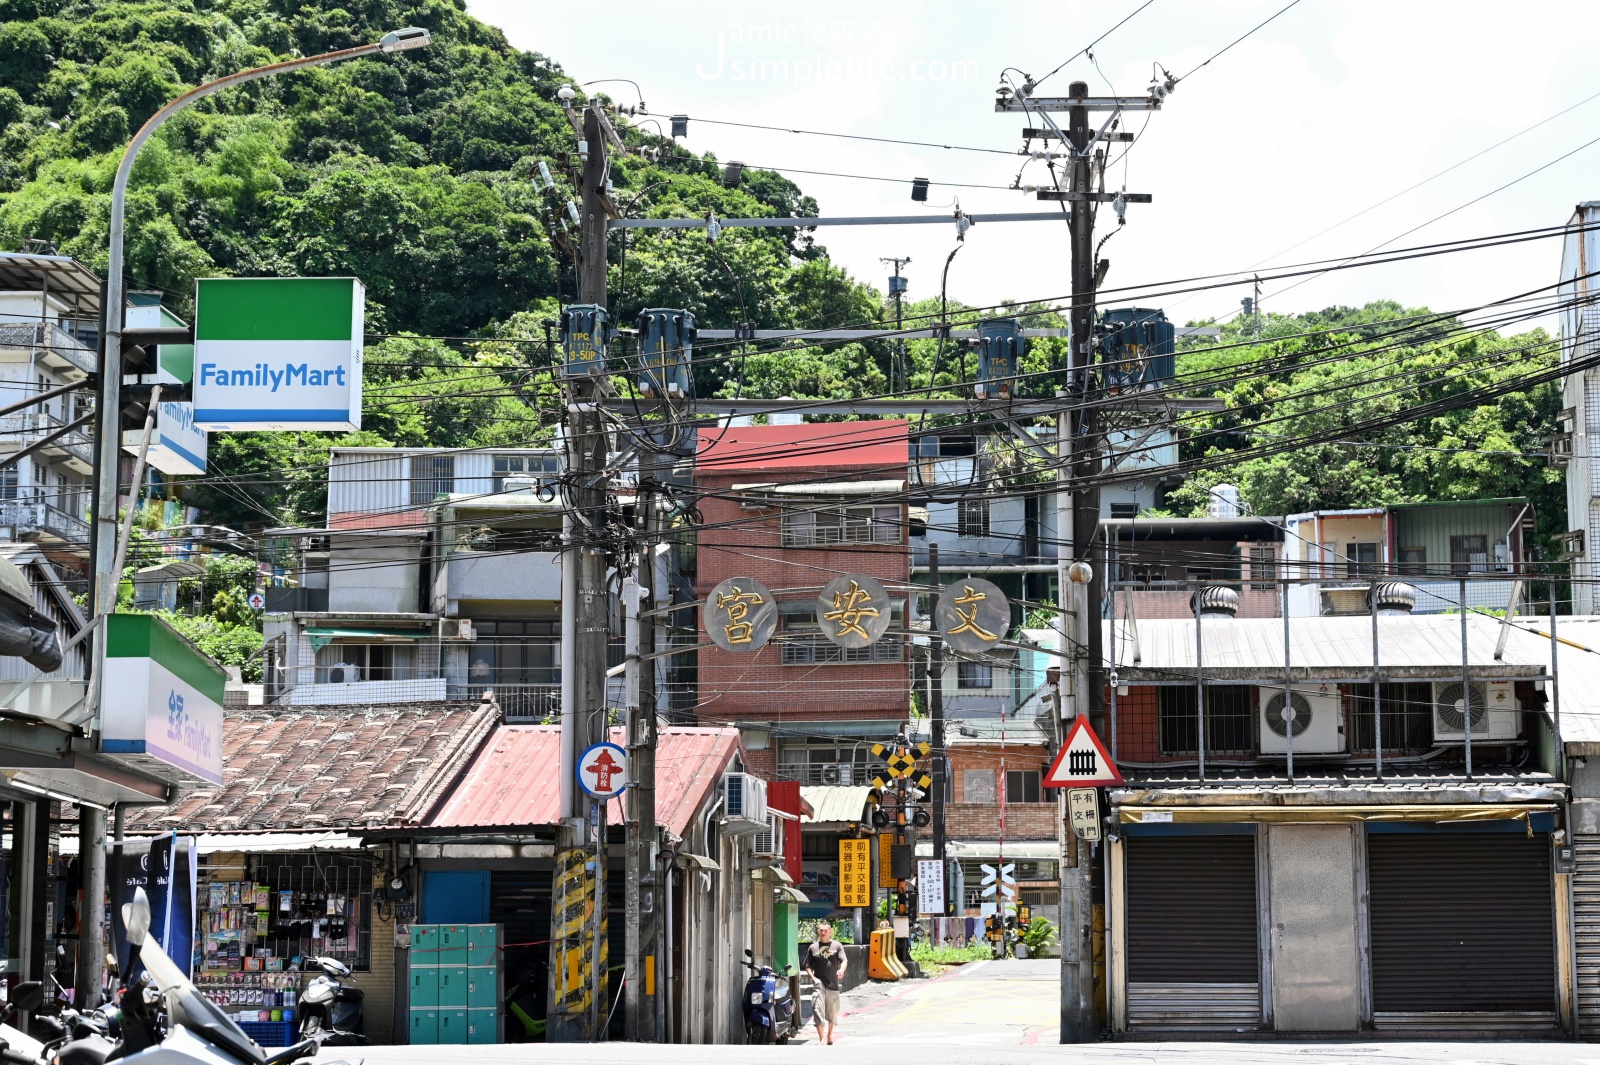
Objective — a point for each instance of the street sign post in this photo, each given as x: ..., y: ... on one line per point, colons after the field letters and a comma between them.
x: 1082, y: 762
x: 603, y: 771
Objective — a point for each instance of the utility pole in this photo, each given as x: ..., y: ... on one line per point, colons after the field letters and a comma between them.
x: 578, y: 987
x: 900, y: 374
x: 936, y: 710
x: 1077, y: 498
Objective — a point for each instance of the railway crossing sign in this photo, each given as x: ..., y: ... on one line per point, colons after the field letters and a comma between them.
x: 901, y: 764
x: 1000, y: 882
x: 1083, y: 761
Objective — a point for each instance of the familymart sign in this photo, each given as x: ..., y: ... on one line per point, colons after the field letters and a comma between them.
x: 278, y: 353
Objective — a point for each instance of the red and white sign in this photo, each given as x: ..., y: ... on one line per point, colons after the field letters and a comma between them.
x: 603, y: 770
x: 1083, y: 761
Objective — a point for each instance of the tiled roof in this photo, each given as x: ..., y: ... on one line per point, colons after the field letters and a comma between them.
x: 329, y: 767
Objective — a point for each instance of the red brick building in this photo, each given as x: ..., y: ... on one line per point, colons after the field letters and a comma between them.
x: 794, y: 506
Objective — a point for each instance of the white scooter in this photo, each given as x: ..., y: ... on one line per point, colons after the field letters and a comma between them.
x: 197, y: 1032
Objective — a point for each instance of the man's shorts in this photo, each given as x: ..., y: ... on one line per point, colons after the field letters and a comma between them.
x: 830, y: 1007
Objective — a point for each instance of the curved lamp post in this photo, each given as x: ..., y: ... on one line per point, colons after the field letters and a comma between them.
x: 91, y: 957
x: 108, y: 444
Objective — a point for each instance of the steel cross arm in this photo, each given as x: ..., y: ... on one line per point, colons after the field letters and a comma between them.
x: 808, y: 223
x: 1091, y: 103
x: 1096, y: 197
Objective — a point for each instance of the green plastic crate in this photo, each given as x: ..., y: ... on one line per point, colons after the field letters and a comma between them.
x: 483, y: 987
x: 453, y: 944
x: 483, y: 1026
x: 424, y: 986
x: 453, y: 1026
x: 424, y: 1027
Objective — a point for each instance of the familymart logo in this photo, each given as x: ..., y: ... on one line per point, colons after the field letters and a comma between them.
x: 263, y: 375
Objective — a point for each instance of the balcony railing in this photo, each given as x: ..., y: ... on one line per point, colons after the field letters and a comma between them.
x: 34, y: 517
x: 49, y: 340
x: 528, y: 703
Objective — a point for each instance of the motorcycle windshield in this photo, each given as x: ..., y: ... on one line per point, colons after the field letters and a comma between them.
x: 188, y: 1007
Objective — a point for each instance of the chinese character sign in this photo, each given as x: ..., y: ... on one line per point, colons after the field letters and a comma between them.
x: 853, y: 611
x: 855, y: 872
x: 973, y: 615
x: 740, y: 614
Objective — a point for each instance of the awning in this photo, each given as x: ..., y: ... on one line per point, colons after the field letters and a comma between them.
x: 691, y: 860
x: 789, y: 894
x: 257, y: 842
x: 1027, y: 850
x: 825, y: 488
x: 321, y: 637
x: 835, y: 803
x: 1420, y: 813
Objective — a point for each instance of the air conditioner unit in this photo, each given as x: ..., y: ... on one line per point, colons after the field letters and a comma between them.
x: 838, y: 773
x: 744, y: 803
x: 1494, y: 711
x: 456, y: 629
x: 768, y: 843
x: 1315, y: 717
x: 344, y: 673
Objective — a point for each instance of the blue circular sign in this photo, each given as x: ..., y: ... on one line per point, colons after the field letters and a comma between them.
x: 603, y: 770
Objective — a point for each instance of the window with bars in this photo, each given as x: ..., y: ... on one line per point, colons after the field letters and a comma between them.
x: 432, y: 476
x: 843, y: 761
x: 974, y: 675
x: 8, y: 482
x: 1263, y: 568
x: 1413, y: 561
x: 539, y: 467
x: 804, y: 645
x: 1469, y: 554
x: 303, y: 925
x: 1230, y: 719
x: 972, y: 517
x: 805, y: 525
x: 1407, y: 717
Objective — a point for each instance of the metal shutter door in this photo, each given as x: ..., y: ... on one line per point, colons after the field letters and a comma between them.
x: 1461, y: 923
x: 1192, y: 950
x: 1586, y: 917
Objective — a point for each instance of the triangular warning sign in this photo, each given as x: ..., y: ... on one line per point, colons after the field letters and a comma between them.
x: 1083, y: 761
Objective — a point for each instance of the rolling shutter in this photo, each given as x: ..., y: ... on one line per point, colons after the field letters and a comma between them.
x: 1586, y: 918
x: 1461, y: 923
x: 1192, y: 950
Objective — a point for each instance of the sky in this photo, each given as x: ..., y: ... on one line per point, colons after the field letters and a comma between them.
x: 1330, y: 108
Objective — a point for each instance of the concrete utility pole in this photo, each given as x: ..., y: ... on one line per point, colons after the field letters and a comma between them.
x: 577, y: 948
x: 936, y: 709
x: 900, y: 375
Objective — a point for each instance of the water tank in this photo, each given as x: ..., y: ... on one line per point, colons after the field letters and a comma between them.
x: 1225, y: 502
x: 1138, y: 345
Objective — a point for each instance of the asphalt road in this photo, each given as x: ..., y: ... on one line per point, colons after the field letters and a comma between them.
x: 991, y: 1012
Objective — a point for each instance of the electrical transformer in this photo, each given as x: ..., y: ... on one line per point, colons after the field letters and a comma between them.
x: 583, y: 339
x: 666, y: 343
x: 1137, y: 345
x: 1000, y: 347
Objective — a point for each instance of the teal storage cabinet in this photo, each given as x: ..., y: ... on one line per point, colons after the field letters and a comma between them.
x: 424, y: 1027
x: 453, y: 986
x: 483, y: 944
x: 424, y: 944
x: 483, y: 988
x: 453, y: 942
x: 424, y: 986
x: 483, y: 1026
x: 453, y: 1026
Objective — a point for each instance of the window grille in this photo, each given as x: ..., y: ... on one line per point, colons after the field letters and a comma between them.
x: 1230, y: 719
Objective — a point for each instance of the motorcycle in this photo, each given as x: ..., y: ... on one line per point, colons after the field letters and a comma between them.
x: 769, y: 1006
x: 330, y: 1012
x: 165, y: 1020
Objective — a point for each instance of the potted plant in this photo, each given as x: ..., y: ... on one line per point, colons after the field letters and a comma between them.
x: 1035, y: 938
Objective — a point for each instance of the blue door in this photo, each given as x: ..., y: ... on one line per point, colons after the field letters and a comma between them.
x: 455, y: 896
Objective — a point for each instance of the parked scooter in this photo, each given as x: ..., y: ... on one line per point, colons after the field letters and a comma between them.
x: 769, y: 1008
x: 330, y: 1012
x: 165, y: 1020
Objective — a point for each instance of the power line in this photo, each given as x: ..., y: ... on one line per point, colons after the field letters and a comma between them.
x: 844, y: 136
x: 1247, y: 33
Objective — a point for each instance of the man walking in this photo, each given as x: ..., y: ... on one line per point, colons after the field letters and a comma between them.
x: 827, y: 962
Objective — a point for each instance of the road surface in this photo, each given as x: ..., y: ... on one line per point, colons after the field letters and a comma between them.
x: 993, y: 1012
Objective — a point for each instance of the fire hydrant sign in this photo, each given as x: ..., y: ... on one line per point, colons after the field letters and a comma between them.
x: 278, y: 352
x: 1082, y: 762
x: 603, y: 771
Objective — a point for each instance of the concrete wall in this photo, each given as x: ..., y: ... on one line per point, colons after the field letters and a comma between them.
x: 520, y: 578
x: 374, y: 575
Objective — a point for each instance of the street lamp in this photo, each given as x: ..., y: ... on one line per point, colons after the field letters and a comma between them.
x: 91, y: 958
x: 105, y: 532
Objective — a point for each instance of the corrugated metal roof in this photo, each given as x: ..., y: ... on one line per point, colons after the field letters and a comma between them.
x: 20, y: 271
x: 514, y: 782
x: 1419, y: 646
x: 878, y: 444
x: 834, y: 803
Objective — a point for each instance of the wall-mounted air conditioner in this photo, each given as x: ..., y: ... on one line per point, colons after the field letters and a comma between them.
x: 344, y: 673
x: 744, y: 803
x: 768, y: 843
x: 1494, y: 711
x: 1314, y: 717
x: 456, y: 629
x: 838, y: 773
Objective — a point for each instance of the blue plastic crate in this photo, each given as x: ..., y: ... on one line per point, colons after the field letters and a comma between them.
x: 270, y: 1033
